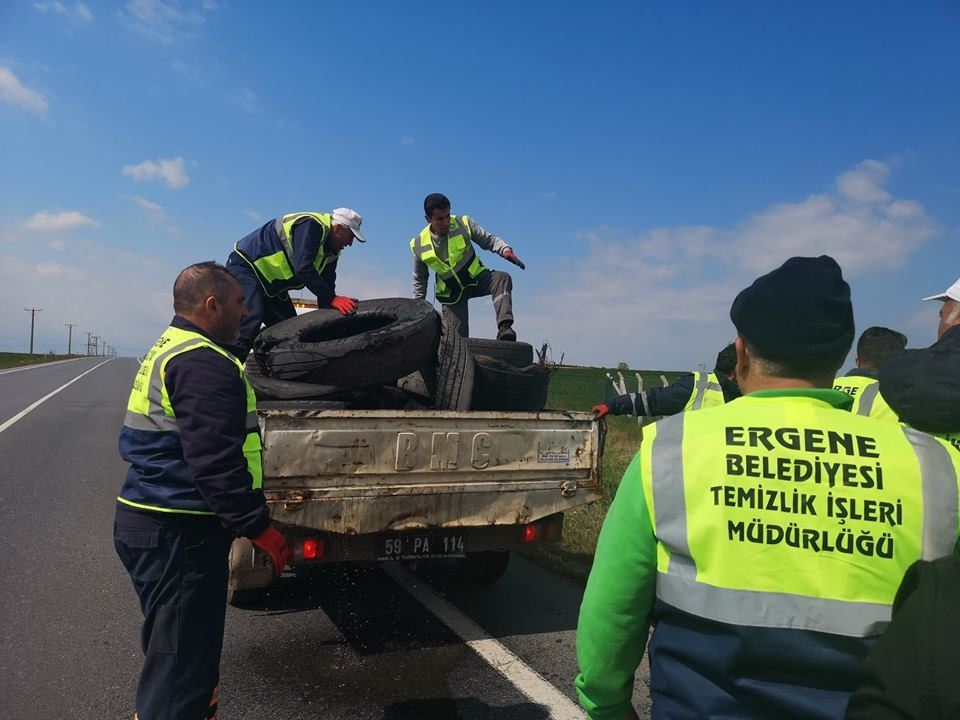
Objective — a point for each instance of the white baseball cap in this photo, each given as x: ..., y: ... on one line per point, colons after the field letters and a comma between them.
x: 951, y: 293
x: 351, y: 219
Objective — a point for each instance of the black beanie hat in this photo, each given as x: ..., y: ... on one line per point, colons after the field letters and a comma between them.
x: 800, y: 310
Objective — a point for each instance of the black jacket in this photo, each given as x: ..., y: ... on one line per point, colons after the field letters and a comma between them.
x: 923, y: 386
x: 209, y: 400
x: 669, y: 400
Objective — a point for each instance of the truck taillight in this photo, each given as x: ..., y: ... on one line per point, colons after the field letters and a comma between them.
x: 313, y: 549
x: 529, y: 533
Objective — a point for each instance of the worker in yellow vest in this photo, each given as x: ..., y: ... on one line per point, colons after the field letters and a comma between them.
x: 293, y: 251
x: 763, y: 540
x: 445, y: 246
x: 192, y: 442
x: 691, y: 391
x: 875, y: 346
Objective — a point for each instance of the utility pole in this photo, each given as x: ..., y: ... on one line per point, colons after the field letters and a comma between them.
x: 70, y: 327
x: 33, y: 313
x: 96, y: 342
x: 103, y: 349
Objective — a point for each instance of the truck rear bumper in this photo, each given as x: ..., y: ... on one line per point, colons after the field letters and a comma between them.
x: 248, y: 569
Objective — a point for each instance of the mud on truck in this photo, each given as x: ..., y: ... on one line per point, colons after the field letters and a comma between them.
x: 387, y: 436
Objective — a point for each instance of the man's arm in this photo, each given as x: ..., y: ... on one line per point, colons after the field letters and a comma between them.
x: 421, y: 278
x: 307, y: 244
x: 487, y: 241
x: 209, y: 400
x: 614, y: 616
x: 671, y: 399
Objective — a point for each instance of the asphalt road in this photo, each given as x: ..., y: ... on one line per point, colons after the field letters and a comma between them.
x: 347, y: 642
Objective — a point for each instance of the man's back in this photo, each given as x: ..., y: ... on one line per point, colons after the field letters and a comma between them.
x: 782, y: 526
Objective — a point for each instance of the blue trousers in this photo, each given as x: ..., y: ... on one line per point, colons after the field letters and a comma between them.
x: 261, y: 309
x: 178, y: 564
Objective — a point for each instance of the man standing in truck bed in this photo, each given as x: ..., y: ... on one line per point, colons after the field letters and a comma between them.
x: 446, y: 247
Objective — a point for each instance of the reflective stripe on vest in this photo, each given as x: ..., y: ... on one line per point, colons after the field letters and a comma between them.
x: 747, y: 548
x: 277, y: 267
x: 462, y: 267
x: 867, y: 400
x: 149, y: 408
x: 706, y: 393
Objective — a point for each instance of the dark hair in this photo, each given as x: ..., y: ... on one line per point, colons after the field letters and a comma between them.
x: 813, y: 369
x: 435, y: 201
x: 726, y: 361
x: 876, y: 344
x: 198, y: 282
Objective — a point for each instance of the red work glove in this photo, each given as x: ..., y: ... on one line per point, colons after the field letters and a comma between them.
x: 600, y: 410
x: 344, y: 304
x: 272, y: 542
x: 512, y: 257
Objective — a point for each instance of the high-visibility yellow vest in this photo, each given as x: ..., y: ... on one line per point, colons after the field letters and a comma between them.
x: 707, y: 392
x: 273, y: 261
x: 781, y: 511
x: 461, y: 268
x: 150, y: 428
x: 867, y: 400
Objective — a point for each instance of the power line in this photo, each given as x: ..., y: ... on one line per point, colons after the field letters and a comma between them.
x: 33, y: 313
x: 71, y: 326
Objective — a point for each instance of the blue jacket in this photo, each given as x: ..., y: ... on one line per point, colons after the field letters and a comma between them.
x: 201, y: 469
x: 307, y: 244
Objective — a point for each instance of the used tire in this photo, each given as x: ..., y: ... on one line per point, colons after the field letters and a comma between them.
x: 380, y: 342
x: 455, y: 374
x: 421, y: 385
x: 499, y: 386
x: 518, y: 354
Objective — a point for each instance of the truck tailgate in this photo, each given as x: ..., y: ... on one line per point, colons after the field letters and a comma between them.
x: 369, y: 471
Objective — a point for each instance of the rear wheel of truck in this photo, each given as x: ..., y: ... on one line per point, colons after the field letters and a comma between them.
x: 381, y: 341
x: 484, y: 567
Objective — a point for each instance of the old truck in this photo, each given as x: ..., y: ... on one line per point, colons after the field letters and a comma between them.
x: 382, y: 485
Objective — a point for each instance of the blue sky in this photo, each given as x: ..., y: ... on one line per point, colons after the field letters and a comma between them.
x: 646, y: 160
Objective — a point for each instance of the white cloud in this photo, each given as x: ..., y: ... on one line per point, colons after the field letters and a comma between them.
x: 54, y: 221
x: 245, y: 99
x: 58, y: 245
x: 156, y: 214
x: 131, y: 315
x: 169, y: 171
x: 253, y: 215
x: 12, y: 91
x: 78, y: 11
x: 865, y: 182
x: 164, y: 20
x: 668, y: 291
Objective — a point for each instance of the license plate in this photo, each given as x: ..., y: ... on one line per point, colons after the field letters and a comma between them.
x: 415, y: 546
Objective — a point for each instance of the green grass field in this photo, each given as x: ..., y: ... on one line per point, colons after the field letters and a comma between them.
x: 580, y: 388
x: 10, y: 360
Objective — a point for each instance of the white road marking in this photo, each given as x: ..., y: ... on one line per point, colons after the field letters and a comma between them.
x: 527, y: 680
x: 38, y: 365
x: 42, y: 400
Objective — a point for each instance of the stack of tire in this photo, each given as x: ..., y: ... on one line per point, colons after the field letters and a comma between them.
x: 391, y: 353
x: 505, y: 376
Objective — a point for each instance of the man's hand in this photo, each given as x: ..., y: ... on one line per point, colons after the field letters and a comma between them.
x: 272, y: 542
x: 600, y: 410
x: 512, y: 257
x: 344, y: 304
